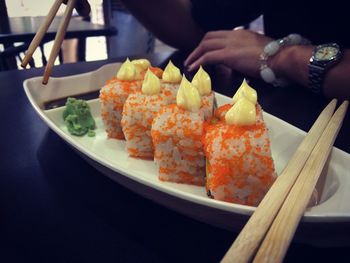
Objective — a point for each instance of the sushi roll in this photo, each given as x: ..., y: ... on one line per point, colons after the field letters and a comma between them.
x: 202, y: 82
x: 240, y: 168
x: 176, y: 135
x: 138, y: 113
x: 171, y: 79
x: 113, y: 95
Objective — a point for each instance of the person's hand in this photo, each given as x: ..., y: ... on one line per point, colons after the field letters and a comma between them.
x: 237, y: 49
x: 82, y: 6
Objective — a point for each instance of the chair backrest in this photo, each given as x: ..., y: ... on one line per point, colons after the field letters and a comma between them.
x: 8, y: 56
x: 12, y: 54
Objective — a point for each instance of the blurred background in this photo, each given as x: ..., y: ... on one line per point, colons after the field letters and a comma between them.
x: 132, y: 38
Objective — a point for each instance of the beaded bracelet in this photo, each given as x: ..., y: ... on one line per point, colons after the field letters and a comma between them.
x: 271, y: 49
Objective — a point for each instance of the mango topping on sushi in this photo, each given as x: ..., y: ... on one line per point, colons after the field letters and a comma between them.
x: 245, y: 91
x: 202, y: 82
x: 151, y: 83
x: 171, y: 73
x: 188, y: 96
x: 127, y: 71
x: 243, y: 111
x: 141, y: 64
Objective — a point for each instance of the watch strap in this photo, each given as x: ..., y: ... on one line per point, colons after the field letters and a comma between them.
x: 316, y: 74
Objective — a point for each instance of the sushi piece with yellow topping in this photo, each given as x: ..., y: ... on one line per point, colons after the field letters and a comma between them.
x: 176, y: 134
x: 202, y: 82
x: 240, y: 168
x: 116, y: 90
x: 139, y: 111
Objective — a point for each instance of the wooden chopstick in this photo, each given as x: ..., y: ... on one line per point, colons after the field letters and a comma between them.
x: 244, y: 247
x: 41, y: 32
x: 281, y: 232
x: 58, y: 40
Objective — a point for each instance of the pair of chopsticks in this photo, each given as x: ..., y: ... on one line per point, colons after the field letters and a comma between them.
x: 269, y: 231
x: 58, y: 39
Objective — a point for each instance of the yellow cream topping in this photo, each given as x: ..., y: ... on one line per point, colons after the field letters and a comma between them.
x: 171, y: 73
x: 245, y: 91
x: 141, y: 64
x: 243, y: 112
x: 151, y: 84
x: 127, y: 71
x: 202, y: 82
x: 188, y: 96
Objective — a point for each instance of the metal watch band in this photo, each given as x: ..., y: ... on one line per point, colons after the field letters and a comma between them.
x: 316, y: 75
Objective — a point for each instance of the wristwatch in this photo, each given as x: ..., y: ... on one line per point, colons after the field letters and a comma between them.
x: 323, y: 57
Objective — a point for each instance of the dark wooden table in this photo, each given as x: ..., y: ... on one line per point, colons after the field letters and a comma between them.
x: 54, y: 207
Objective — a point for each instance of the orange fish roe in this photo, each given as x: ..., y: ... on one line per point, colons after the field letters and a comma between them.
x: 169, y: 90
x: 176, y: 135
x: 112, y: 98
x: 157, y: 71
x: 221, y: 111
x: 240, y: 166
x: 207, y: 106
x: 137, y: 117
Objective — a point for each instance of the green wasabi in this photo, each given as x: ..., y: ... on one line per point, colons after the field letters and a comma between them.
x: 78, y: 118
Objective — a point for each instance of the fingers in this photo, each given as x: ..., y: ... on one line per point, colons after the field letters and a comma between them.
x: 82, y: 6
x: 216, y: 34
x: 214, y: 40
x: 211, y: 57
x: 205, y: 46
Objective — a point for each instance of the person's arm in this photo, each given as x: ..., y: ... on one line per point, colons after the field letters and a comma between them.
x: 169, y: 20
x: 240, y: 50
x: 292, y: 63
x: 182, y: 23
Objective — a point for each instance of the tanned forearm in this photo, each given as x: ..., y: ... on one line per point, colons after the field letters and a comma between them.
x: 168, y: 20
x: 292, y: 63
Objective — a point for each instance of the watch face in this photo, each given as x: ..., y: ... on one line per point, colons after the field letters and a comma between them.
x: 325, y: 53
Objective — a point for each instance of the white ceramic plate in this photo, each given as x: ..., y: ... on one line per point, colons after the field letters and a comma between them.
x: 109, y: 156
